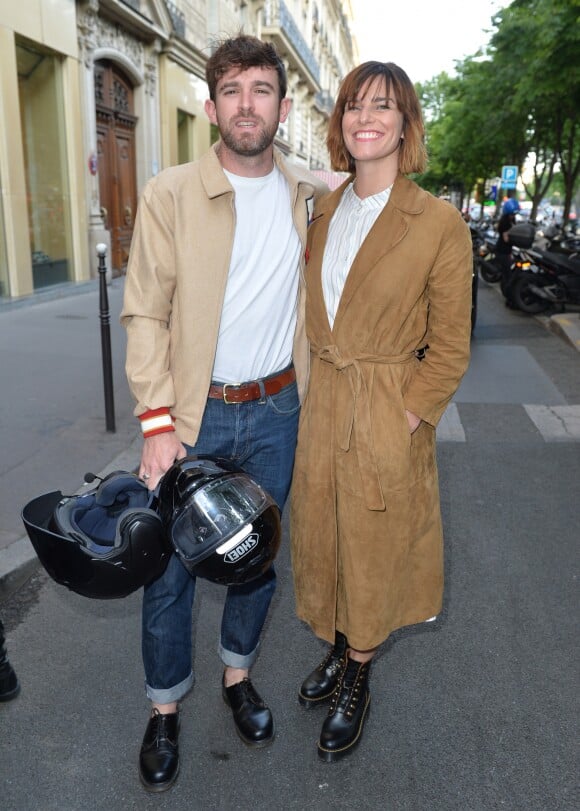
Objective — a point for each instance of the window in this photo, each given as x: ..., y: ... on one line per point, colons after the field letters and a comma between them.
x: 45, y: 164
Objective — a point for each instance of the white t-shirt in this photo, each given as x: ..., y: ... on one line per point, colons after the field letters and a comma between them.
x: 348, y: 229
x: 260, y: 305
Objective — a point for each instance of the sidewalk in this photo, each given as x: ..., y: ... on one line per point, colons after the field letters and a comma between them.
x: 52, y: 427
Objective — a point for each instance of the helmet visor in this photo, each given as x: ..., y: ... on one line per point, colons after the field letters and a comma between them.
x: 216, y: 512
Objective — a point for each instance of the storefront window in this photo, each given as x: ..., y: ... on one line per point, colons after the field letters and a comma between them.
x: 43, y: 135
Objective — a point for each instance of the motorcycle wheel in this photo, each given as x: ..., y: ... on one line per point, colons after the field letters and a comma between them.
x: 488, y: 272
x: 524, y: 298
x: 506, y: 283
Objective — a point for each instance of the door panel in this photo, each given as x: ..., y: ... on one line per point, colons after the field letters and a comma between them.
x: 116, y: 151
x: 126, y: 197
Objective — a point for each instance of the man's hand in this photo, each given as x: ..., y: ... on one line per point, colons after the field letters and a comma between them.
x: 159, y: 453
x: 413, y: 420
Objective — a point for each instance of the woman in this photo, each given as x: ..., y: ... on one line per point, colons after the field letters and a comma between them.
x: 388, y: 320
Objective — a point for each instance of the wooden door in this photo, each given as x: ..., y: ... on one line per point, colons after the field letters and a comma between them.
x: 116, y: 151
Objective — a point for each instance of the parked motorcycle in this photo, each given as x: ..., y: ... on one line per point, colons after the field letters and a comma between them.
x: 491, y: 267
x: 484, y: 254
x: 545, y: 279
x: 558, y: 239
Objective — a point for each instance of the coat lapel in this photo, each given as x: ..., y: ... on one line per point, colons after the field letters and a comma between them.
x: 318, y: 235
x: 389, y: 229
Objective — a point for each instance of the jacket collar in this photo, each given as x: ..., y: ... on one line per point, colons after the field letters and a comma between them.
x: 405, y: 196
x: 216, y: 183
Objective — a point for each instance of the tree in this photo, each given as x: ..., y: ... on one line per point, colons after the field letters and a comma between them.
x: 542, y: 39
x: 520, y: 97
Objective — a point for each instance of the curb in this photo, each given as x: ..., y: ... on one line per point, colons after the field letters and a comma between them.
x: 564, y: 325
x: 18, y: 561
x: 567, y: 326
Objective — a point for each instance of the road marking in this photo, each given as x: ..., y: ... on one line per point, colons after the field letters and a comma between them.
x: 450, y: 428
x: 555, y: 422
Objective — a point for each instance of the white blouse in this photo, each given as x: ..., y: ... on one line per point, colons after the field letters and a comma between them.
x: 350, y: 224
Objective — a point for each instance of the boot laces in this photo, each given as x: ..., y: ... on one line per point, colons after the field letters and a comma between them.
x: 332, y: 661
x: 160, y: 731
x: 346, y: 696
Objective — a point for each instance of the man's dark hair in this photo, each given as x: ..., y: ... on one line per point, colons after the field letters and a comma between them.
x: 243, y: 52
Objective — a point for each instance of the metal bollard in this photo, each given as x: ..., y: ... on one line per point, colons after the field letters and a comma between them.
x: 106, y: 339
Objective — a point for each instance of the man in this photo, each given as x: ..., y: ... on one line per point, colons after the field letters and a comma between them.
x: 504, y: 245
x: 213, y: 297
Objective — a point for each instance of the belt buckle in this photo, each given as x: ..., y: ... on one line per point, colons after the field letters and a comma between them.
x: 224, y: 392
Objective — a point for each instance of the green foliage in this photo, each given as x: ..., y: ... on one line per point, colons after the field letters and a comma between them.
x: 517, y: 99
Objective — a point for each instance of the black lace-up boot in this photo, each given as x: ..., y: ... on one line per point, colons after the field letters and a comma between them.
x: 343, y: 726
x: 321, y: 683
x: 159, y: 757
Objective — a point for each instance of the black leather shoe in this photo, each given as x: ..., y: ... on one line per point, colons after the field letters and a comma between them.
x: 342, y: 728
x: 159, y: 756
x: 322, y: 682
x: 253, y: 719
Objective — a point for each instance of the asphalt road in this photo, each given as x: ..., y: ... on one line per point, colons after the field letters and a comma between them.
x: 474, y: 712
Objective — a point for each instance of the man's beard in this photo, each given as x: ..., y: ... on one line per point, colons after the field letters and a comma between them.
x: 248, y: 144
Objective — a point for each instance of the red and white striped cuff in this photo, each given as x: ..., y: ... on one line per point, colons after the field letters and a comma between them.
x: 156, y: 421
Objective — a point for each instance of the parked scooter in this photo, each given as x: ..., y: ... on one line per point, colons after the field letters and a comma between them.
x: 484, y: 254
x: 557, y: 239
x: 546, y: 279
x: 493, y: 268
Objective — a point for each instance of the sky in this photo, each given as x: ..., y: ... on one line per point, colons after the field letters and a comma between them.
x: 424, y: 37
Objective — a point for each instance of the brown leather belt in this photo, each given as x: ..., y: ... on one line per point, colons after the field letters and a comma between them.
x: 255, y: 390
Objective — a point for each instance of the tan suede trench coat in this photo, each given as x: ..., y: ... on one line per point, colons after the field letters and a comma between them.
x: 367, y: 547
x: 176, y: 280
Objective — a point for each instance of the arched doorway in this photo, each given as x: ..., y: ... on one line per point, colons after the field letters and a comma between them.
x: 116, y: 150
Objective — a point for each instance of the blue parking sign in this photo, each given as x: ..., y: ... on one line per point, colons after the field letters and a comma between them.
x: 509, y: 174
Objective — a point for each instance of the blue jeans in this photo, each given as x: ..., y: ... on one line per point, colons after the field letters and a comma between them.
x: 260, y: 437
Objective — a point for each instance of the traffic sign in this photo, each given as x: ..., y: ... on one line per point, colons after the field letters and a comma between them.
x: 509, y: 174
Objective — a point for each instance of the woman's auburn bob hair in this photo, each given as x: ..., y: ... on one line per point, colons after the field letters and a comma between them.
x: 412, y: 154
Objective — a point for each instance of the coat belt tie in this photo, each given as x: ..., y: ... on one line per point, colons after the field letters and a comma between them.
x: 360, y: 411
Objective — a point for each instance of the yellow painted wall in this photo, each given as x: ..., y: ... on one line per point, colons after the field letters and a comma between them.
x: 180, y: 90
x: 49, y: 22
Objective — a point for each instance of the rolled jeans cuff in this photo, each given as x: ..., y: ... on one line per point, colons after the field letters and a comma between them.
x: 238, y: 660
x: 171, y: 694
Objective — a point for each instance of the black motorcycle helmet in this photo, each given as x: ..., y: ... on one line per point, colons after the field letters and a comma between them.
x: 105, y: 543
x: 222, y: 525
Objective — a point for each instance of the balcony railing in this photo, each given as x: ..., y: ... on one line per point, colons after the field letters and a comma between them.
x: 177, y: 18
x: 277, y: 15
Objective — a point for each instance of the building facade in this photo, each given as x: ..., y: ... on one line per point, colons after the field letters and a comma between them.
x: 96, y: 96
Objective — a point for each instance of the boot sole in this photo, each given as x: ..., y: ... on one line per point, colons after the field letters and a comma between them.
x: 332, y: 755
x: 255, y: 744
